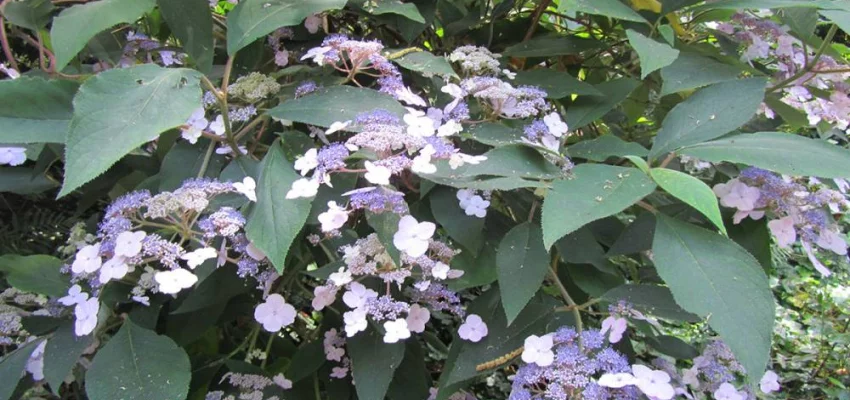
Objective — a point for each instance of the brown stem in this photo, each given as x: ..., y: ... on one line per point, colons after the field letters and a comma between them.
x: 667, y: 160
x: 6, y: 49
x: 535, y: 19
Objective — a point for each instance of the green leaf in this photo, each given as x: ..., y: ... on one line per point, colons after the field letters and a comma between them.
x: 216, y: 290
x: 710, y: 113
x: 119, y: 110
x: 12, y: 367
x: 494, y: 134
x: 839, y: 17
x: 21, y: 180
x: 595, y: 191
x: 605, y: 146
x: 34, y: 110
x: 802, y: 21
x: 765, y: 4
x: 478, y: 183
x: 502, y: 338
x: 608, y: 8
x: 191, y: 22
x: 650, y: 299
x: 74, y: 26
x: 712, y: 276
x: 411, y: 380
x: 672, y: 346
x: 137, y: 363
x: 477, y: 271
x: 588, y: 109
x: 252, y: 19
x: 692, y: 191
x: 407, y: 10
x: 550, y: 46
x: 785, y: 153
x: 30, y: 14
x: 653, y: 55
x: 466, y: 230
x: 37, y: 274
x: 754, y: 236
x: 62, y: 352
x: 522, y: 263
x: 307, y: 359
x: 336, y: 103
x: 373, y: 363
x: 691, y: 71
x: 184, y: 161
x: 557, y: 84
x: 275, y: 220
x: 637, y: 236
x: 581, y: 247
x: 509, y: 161
x: 426, y: 64
x: 386, y: 225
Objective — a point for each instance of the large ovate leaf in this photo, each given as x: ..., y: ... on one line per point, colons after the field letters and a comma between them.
x: 653, y: 55
x: 30, y: 14
x: 426, y: 64
x: 373, y: 363
x: 465, y: 229
x: 407, y: 10
x: 12, y: 367
x: 275, y: 220
x: 411, y: 380
x: 21, y: 180
x: 650, y: 299
x: 138, y: 364
x: 34, y: 110
x: 557, y: 84
x: 550, y: 46
x: 595, y: 191
x: 62, y: 352
x: 765, y: 4
x: 36, y: 274
x: 839, y: 17
x: 191, y: 22
x: 386, y: 225
x: 493, y: 134
x: 588, y: 109
x: 710, y: 275
x: 336, y: 103
x: 119, y: 110
x: 522, y: 263
x: 710, y: 113
x: 608, y: 8
x: 785, y: 153
x: 252, y: 19
x: 74, y: 26
x: 692, y: 191
x: 605, y: 146
x: 691, y: 71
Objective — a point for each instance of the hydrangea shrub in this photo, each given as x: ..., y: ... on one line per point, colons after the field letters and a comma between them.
x: 331, y: 199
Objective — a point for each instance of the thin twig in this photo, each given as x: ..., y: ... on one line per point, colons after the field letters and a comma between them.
x: 6, y: 49
x: 553, y: 275
x: 535, y: 19
x: 667, y: 160
x: 827, y: 40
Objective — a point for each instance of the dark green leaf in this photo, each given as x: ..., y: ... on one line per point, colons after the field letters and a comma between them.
x: 21, y: 180
x: 691, y: 71
x: 605, y: 146
x: 710, y: 113
x: 427, y: 64
x: 119, y: 110
x: 692, y: 191
x: 373, y: 363
x: 512, y: 161
x: 184, y: 161
x: 522, y: 264
x: 411, y: 380
x: 336, y: 103
x: 34, y: 110
x: 191, y: 22
x: 217, y: 289
x: 765, y: 4
x: 307, y: 360
x: 275, y: 220
x: 650, y: 299
x: 386, y: 225
x: 466, y: 230
x: 12, y: 366
x: 608, y: 8
x: 139, y: 364
x: 37, y: 274
x: 252, y: 19
x: 61, y: 353
x: 494, y: 134
x: 653, y: 55
x: 588, y: 109
x: 557, y: 84
x: 477, y: 271
x: 712, y: 276
x: 595, y: 191
x: 754, y: 236
x: 30, y: 14
x: 839, y: 17
x: 407, y: 10
x: 75, y: 25
x: 550, y: 46
x: 580, y: 247
x: 672, y: 346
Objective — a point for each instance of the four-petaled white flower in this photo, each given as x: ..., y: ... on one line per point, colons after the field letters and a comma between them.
x: 474, y: 205
x: 728, y: 392
x: 197, y: 257
x: 556, y: 125
x: 86, y: 316
x: 422, y: 162
x: 418, y: 124
x: 281, y: 381
x: 357, y: 295
x: 412, y: 236
x: 317, y: 54
x: 248, y: 187
x: 303, y: 188
x: 341, y: 277
x: 75, y: 296
x: 87, y: 260
x: 217, y: 126
x: 831, y: 240
x: 783, y: 230
x: 337, y: 126
x: 538, y: 350
x: 339, y: 372
x: 406, y: 95
x: 115, y: 268
x: 312, y: 23
x: 769, y: 382
x: 35, y: 364
x: 172, y: 282
x: 509, y: 74
x: 128, y: 244
x: 355, y: 321
x: 376, y: 174
x: 655, y: 384
x: 195, y: 126
x: 440, y: 270
x: 13, y: 156
x: 305, y: 163
x: 395, y: 331
x: 616, y: 381
x: 417, y: 317
x: 736, y: 194
x: 334, y: 218
x: 473, y: 329
x: 617, y: 326
x: 323, y: 296
x: 457, y: 160
x: 451, y: 127
x: 274, y: 313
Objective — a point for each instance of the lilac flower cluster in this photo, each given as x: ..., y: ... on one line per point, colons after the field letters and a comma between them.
x: 141, y: 43
x: 281, y: 55
x: 251, y: 386
x: 505, y: 100
x: 305, y: 88
x: 474, y: 60
x: 378, y: 200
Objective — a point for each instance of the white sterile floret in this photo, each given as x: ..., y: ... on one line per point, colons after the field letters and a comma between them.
x: 395, y: 331
x: 225, y: 149
x: 75, y: 296
x: 616, y: 381
x: 783, y: 230
x: 654, y: 384
x: 197, y: 257
x: 457, y: 160
x: 769, y: 382
x: 128, y: 244
x: 405, y: 95
x: 440, y: 270
x: 728, y: 392
x: 195, y: 126
x: 282, y: 382
x: 334, y: 218
x: 341, y: 277
x: 35, y: 364
x: 476, y: 206
x: 172, y: 282
x: 509, y: 74
x: 305, y: 163
x: 473, y: 330
x: 422, y: 163
x: 10, y: 72
x: 13, y: 156
x: 616, y: 326
x: 217, y: 126
x: 538, y: 350
x: 337, y: 126
x: 248, y: 188
x: 355, y: 321
x: 254, y: 252
x: 86, y: 316
x: 303, y: 188
x: 357, y: 295
x: 413, y: 236
x: 274, y: 313
x: 317, y: 54
x: 418, y: 124
x: 115, y: 268
x: 556, y: 125
x: 417, y: 317
x: 87, y: 260
x: 377, y: 174
x: 323, y: 296
x: 451, y: 127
